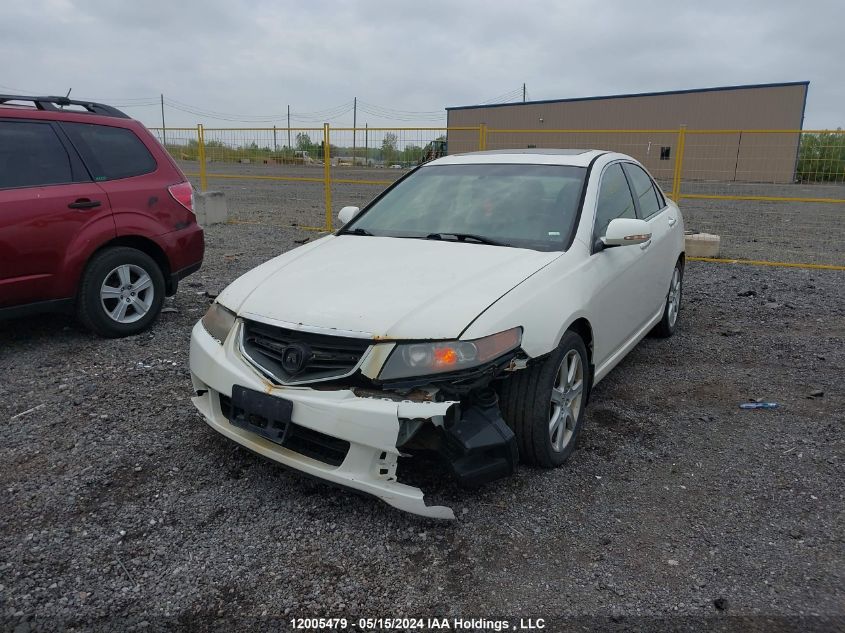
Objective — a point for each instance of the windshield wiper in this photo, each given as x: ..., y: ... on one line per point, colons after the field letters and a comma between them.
x: 462, y: 237
x: 357, y: 231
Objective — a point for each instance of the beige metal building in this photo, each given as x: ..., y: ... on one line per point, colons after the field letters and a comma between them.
x: 737, y: 154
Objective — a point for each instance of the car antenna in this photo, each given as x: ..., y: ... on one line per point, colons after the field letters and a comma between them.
x: 66, y: 96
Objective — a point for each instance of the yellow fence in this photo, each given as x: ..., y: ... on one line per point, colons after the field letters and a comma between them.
x: 773, y: 195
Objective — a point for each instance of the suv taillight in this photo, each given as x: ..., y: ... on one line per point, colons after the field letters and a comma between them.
x: 183, y: 193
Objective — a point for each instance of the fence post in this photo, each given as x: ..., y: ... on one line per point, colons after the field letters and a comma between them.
x: 327, y: 175
x: 679, y: 164
x: 201, y: 157
x: 482, y: 137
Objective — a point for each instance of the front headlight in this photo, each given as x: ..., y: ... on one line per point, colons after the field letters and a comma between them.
x: 420, y: 359
x: 218, y: 321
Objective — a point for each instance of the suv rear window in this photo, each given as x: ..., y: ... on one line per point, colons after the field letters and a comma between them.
x: 110, y: 152
x: 31, y: 155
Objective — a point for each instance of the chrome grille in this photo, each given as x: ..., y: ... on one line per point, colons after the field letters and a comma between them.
x: 324, y: 356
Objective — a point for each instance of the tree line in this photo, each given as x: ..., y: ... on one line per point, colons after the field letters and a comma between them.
x: 386, y: 151
x: 821, y: 157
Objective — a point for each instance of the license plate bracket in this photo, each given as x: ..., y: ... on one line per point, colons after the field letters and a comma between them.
x: 260, y: 413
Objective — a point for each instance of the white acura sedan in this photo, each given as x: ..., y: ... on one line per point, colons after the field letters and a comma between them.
x: 466, y: 313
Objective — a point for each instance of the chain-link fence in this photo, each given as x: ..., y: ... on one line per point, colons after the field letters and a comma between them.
x: 776, y: 195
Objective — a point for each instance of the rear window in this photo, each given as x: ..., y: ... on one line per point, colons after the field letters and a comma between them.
x: 110, y: 152
x: 31, y: 155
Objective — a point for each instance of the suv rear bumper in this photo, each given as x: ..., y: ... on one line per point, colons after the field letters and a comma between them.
x: 176, y: 277
x: 185, y: 249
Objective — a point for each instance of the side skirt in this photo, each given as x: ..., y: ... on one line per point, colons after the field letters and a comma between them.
x: 39, y: 307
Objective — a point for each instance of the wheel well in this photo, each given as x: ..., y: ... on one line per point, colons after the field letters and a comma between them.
x: 150, y: 248
x: 583, y: 329
x: 683, y: 259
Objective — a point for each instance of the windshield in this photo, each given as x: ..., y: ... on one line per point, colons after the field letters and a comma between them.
x: 525, y: 206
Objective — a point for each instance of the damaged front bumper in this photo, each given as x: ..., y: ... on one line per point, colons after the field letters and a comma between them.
x: 349, y: 440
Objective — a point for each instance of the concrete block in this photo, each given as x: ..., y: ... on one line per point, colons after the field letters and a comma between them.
x: 211, y: 208
x: 702, y: 245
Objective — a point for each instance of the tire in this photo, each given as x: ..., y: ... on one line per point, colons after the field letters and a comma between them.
x: 669, y: 323
x: 528, y: 407
x: 111, y: 277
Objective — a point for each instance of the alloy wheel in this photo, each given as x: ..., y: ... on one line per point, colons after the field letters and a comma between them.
x: 127, y: 293
x: 565, y: 406
x: 673, y: 301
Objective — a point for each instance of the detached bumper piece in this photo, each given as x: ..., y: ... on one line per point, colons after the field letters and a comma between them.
x: 479, y: 445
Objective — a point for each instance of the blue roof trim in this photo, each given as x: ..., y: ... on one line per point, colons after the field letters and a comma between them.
x: 800, y: 127
x: 804, y: 107
x: 637, y: 94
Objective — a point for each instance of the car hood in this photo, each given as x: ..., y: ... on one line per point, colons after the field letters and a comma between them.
x: 382, y: 287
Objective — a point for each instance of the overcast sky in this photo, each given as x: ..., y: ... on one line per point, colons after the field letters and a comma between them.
x: 407, y: 61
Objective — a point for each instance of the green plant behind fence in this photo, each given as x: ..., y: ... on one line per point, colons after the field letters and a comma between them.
x: 821, y: 157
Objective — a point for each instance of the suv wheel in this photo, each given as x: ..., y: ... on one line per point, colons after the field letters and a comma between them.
x: 544, y: 404
x: 121, y: 293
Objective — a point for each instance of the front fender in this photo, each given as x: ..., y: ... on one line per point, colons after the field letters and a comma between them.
x: 545, y: 305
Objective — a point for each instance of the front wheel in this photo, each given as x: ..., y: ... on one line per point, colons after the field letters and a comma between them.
x: 669, y: 323
x: 544, y: 404
x: 121, y: 293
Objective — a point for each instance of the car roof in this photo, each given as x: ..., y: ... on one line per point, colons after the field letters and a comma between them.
x: 59, y: 109
x: 533, y: 156
x: 9, y: 111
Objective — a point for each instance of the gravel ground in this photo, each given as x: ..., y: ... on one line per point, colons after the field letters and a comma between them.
x: 123, y: 511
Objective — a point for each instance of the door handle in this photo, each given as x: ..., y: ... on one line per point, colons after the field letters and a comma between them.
x: 84, y: 203
x: 672, y: 221
x: 645, y: 245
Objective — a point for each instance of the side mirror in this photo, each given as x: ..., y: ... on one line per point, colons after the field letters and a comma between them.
x: 626, y: 231
x: 347, y: 214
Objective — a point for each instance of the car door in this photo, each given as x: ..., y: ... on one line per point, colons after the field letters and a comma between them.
x: 620, y: 308
x: 658, y: 261
x: 123, y: 166
x: 47, y: 200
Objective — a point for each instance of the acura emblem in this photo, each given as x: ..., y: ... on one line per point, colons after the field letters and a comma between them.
x: 294, y: 357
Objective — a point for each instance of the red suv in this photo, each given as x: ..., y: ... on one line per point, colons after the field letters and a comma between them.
x: 95, y: 216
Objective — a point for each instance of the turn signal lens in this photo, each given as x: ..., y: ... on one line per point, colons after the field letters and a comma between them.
x: 490, y: 347
x: 445, y: 356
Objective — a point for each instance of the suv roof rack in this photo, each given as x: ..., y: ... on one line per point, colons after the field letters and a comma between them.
x: 51, y: 103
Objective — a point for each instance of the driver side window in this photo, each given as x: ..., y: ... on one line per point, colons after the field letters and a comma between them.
x: 614, y: 200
